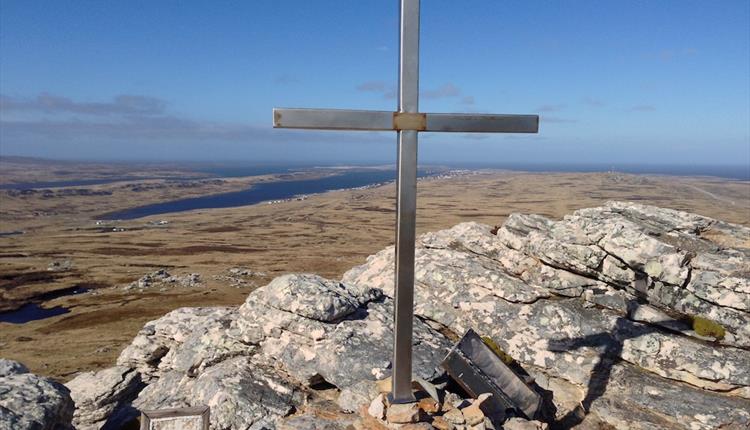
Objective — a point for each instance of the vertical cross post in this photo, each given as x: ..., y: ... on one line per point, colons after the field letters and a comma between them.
x: 406, y: 206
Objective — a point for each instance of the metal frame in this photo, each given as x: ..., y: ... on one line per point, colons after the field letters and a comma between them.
x: 478, y: 369
x: 406, y: 205
x: 202, y: 412
x: 482, y: 123
x: 407, y: 121
x: 374, y: 120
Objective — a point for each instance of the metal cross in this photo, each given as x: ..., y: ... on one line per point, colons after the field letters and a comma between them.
x: 407, y: 121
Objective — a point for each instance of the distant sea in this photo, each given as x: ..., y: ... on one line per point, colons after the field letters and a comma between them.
x: 238, y: 169
x: 737, y: 172
x: 348, y: 177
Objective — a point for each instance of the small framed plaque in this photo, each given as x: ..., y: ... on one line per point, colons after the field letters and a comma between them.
x: 194, y: 418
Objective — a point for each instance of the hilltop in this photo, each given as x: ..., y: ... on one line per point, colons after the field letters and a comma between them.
x: 623, y: 313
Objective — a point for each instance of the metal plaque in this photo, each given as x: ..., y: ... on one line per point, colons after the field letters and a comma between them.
x: 479, y: 370
x: 194, y: 418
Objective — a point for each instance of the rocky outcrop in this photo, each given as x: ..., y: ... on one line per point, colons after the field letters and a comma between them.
x: 242, y: 392
x: 102, y: 398
x: 10, y: 367
x: 30, y: 402
x: 179, y: 340
x: 253, y: 365
x: 163, y: 279
x: 325, y: 330
x: 625, y: 315
x: 658, y: 254
x: 603, y: 285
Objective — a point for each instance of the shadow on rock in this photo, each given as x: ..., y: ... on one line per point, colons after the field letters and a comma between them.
x: 611, y: 346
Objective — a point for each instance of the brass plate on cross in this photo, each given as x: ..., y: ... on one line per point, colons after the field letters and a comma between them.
x: 409, y: 121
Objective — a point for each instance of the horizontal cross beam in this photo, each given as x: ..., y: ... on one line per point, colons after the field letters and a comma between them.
x: 344, y: 119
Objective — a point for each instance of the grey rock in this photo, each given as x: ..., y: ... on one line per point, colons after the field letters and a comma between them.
x: 721, y: 289
x: 147, y: 280
x: 377, y: 407
x: 313, y: 421
x: 522, y: 424
x: 102, y: 398
x: 460, y: 306
x: 241, y: 392
x: 60, y: 266
x: 595, y: 307
x: 403, y: 413
x: 354, y: 396
x: 454, y: 416
x: 162, y: 278
x: 620, y: 243
x: 672, y: 244
x: 156, y: 347
x: 661, y: 403
x: 240, y: 271
x: 344, y: 352
x: 10, y: 367
x: 311, y: 297
x: 31, y: 402
x: 651, y: 315
x: 251, y: 364
x: 600, y: 253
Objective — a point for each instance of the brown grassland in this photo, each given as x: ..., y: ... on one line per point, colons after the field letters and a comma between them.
x: 324, y: 234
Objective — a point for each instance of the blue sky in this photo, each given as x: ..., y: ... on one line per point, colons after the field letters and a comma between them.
x: 614, y: 82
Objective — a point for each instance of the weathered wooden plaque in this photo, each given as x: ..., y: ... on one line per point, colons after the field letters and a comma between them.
x: 194, y: 418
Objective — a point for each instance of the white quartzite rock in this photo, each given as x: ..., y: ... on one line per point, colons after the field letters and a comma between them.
x: 10, y: 367
x: 587, y: 305
x: 242, y: 393
x: 30, y: 402
x: 249, y: 364
x: 594, y: 257
x: 99, y: 395
x: 343, y: 352
x: 155, y: 349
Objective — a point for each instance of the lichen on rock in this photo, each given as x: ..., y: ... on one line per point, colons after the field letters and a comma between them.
x: 706, y: 327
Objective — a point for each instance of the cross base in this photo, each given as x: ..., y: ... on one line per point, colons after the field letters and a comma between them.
x: 400, y: 401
